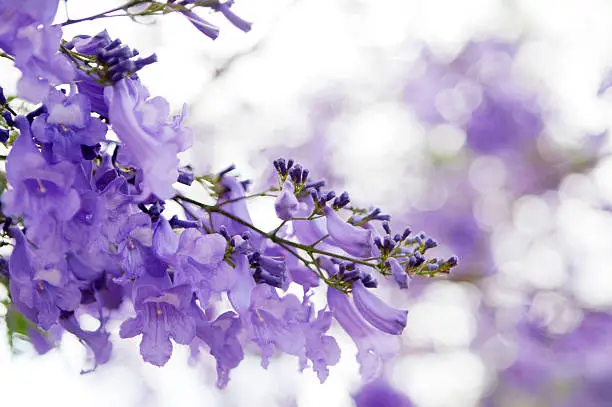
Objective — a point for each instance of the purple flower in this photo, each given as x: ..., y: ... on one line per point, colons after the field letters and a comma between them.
x: 270, y: 325
x: 221, y: 336
x: 97, y: 341
x: 40, y: 291
x: 321, y: 349
x: 352, y: 239
x: 233, y: 18
x: 240, y: 293
x: 41, y: 11
x: 38, y: 189
x: 68, y: 125
x: 374, y: 346
x: 35, y: 47
x: 286, y: 204
x: 313, y: 230
x: 149, y: 141
x: 376, y: 312
x: 162, y: 312
x: 202, y: 25
x: 399, y: 273
x: 380, y: 394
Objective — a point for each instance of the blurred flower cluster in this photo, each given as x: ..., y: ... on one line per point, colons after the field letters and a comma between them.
x: 494, y: 181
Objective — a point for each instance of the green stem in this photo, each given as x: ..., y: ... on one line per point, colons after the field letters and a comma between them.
x: 280, y: 241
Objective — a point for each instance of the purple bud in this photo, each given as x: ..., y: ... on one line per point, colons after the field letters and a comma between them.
x: 8, y: 118
x: 386, y: 227
x: 406, y: 233
x: 177, y: 223
x: 317, y: 185
x: 286, y: 204
x: 225, y: 171
x: 186, y: 176
x: 4, y: 135
x: 399, y: 273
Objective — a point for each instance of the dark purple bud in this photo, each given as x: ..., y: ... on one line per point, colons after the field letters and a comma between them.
x: 176, y: 223
x: 329, y: 196
x: 315, y: 195
x: 115, y: 54
x: 223, y: 232
x: 4, y: 135
x: 8, y: 118
x: 388, y: 244
x: 378, y: 243
x: 156, y: 209
x: 246, y: 235
x: 90, y: 152
x: 290, y: 163
x: 141, y: 63
x: 30, y: 116
x: 397, y: 237
x: 341, y: 201
x: 430, y: 243
x: 228, y: 169
x: 433, y: 266
x: 386, y: 227
x: 317, y: 185
x: 369, y: 281
x: 305, y: 173
x: 185, y: 176
x: 452, y: 261
x: 246, y: 184
x: 296, y: 174
x: 2, y: 97
x: 263, y: 276
x: 406, y: 233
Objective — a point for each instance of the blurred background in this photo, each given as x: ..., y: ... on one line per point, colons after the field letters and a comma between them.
x: 481, y: 122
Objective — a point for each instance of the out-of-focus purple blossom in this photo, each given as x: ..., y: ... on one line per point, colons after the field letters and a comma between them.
x: 380, y: 394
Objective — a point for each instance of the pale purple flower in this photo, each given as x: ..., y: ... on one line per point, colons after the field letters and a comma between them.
x: 149, y: 141
x: 374, y: 346
x: 162, y: 312
x: 352, y: 239
x: 97, y: 341
x: 67, y: 125
x: 221, y: 336
x: 380, y: 394
x: 377, y: 312
x: 35, y: 45
x: 286, y: 204
x: 40, y: 291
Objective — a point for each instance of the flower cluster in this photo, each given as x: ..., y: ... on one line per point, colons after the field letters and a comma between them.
x: 89, y: 173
